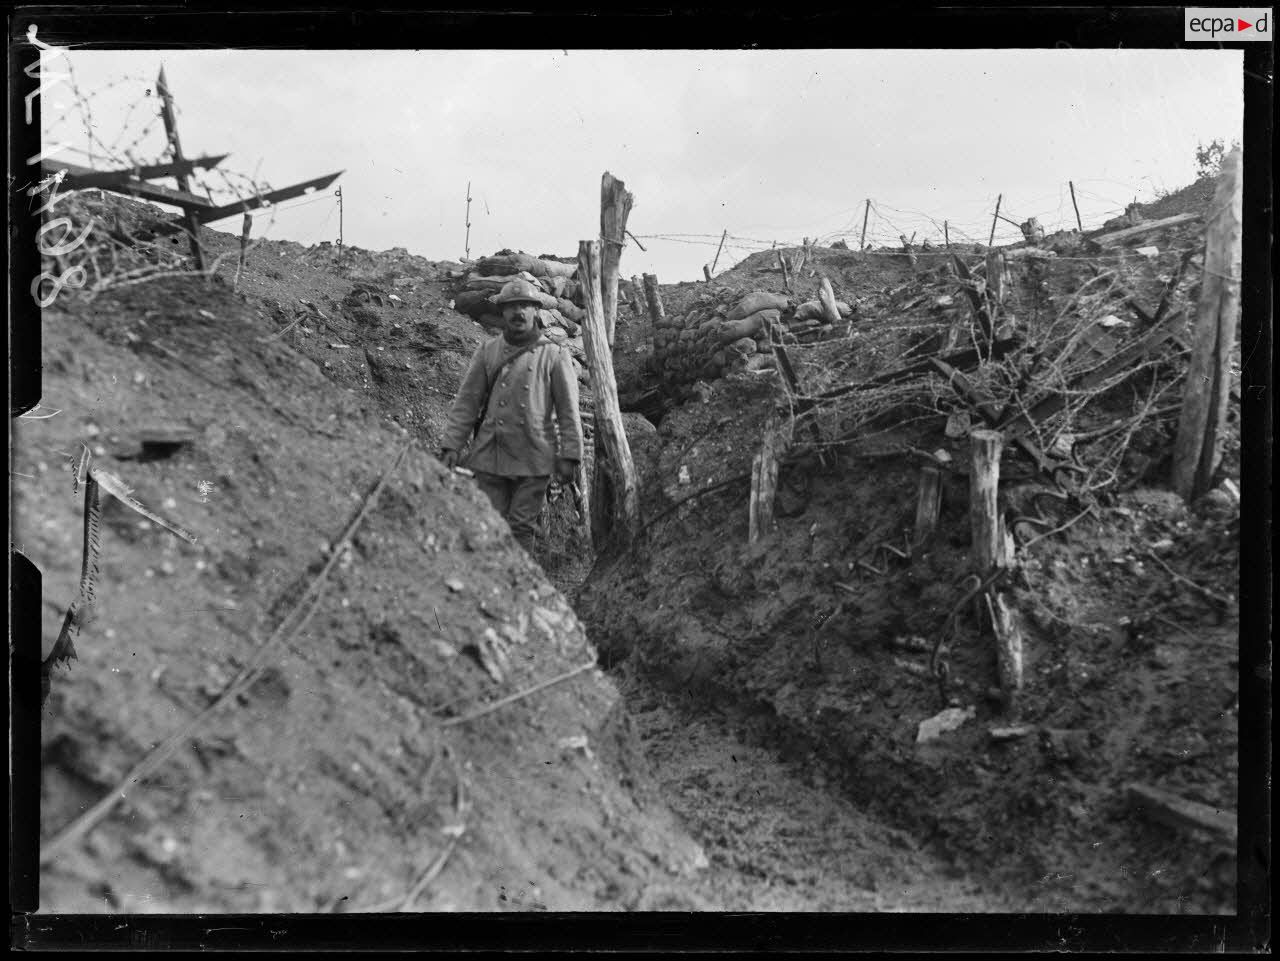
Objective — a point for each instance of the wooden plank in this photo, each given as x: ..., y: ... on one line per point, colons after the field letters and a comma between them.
x: 982, y: 402
x: 183, y: 181
x: 110, y: 179
x: 1129, y: 233
x: 608, y: 414
x: 210, y: 213
x: 153, y: 192
x: 1178, y: 812
x: 764, y: 479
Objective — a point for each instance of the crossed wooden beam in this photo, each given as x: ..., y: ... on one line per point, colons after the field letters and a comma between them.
x: 196, y: 210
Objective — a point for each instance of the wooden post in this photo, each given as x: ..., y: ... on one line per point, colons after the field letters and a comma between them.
x: 992, y: 239
x: 657, y: 313
x: 1079, y: 222
x: 1008, y: 632
x: 786, y: 275
x: 244, y: 248
x: 610, y: 434
x: 862, y: 244
x: 827, y: 298
x: 466, y: 243
x: 928, y: 504
x: 991, y: 551
x: 1198, y: 447
x: 637, y: 296
x: 338, y: 193
x: 984, y: 508
x: 615, y: 205
x: 946, y: 235
x: 184, y: 182
x: 906, y: 249
x: 764, y: 479
x: 716, y: 259
x: 995, y: 277
x: 706, y: 272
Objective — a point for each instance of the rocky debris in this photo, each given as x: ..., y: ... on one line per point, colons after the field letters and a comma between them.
x: 949, y: 720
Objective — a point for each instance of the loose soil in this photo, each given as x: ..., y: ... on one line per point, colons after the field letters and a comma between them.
x: 725, y: 755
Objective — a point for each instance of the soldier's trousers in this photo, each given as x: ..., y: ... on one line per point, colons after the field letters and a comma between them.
x: 518, y: 499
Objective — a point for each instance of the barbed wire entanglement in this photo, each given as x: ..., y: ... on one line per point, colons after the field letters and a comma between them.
x: 94, y: 240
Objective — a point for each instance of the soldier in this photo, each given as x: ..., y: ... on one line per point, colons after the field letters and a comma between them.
x: 519, y: 398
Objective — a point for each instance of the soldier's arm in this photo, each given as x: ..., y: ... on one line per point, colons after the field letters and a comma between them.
x: 564, y: 398
x: 466, y: 405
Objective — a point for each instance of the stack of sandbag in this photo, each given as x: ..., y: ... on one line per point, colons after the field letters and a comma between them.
x: 562, y: 297
x: 717, y: 337
x: 809, y: 322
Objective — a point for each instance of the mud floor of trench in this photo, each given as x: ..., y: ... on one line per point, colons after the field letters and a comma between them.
x: 777, y: 833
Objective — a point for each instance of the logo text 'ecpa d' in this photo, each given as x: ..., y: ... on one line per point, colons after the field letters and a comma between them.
x: 1226, y: 24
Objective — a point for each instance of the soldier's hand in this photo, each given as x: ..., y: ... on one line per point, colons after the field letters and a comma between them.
x: 566, y: 470
x: 449, y: 458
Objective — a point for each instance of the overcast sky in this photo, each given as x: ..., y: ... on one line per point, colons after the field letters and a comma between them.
x: 772, y: 145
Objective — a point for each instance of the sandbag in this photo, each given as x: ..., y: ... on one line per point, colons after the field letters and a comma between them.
x: 731, y: 330
x: 809, y: 310
x: 744, y: 346
x: 570, y: 310
x: 755, y: 302
x: 517, y: 262
x: 473, y: 303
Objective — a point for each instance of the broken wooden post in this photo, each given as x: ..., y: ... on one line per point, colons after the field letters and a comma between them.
x: 928, y: 504
x: 786, y: 275
x: 706, y: 272
x: 615, y: 205
x: 184, y: 182
x: 611, y: 437
x: 244, y: 247
x: 764, y: 480
x: 1004, y: 624
x: 716, y: 259
x: 862, y: 243
x: 827, y: 298
x: 995, y: 277
x: 906, y: 249
x: 1076, y: 207
x: 1129, y: 233
x: 946, y: 235
x: 657, y: 313
x: 1198, y: 447
x: 637, y: 296
x: 984, y: 507
x: 992, y: 239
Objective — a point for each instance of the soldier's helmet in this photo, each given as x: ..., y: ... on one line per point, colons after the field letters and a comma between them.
x: 517, y: 292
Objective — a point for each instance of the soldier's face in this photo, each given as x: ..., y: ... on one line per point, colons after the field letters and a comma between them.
x: 520, y: 318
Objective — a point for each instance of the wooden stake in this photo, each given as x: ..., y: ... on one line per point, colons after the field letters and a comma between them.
x: 657, y: 313
x: 706, y: 272
x: 764, y: 479
x: 1079, y: 222
x: 1004, y: 623
x: 992, y: 239
x: 244, y: 248
x: 716, y: 259
x: 946, y: 235
x: 928, y: 504
x: 608, y: 416
x: 786, y: 274
x: 862, y: 244
x: 984, y: 507
x: 466, y: 243
x: 906, y: 249
x: 615, y: 205
x: 827, y: 298
x: 184, y: 182
x: 637, y: 296
x: 995, y: 277
x: 1198, y: 447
